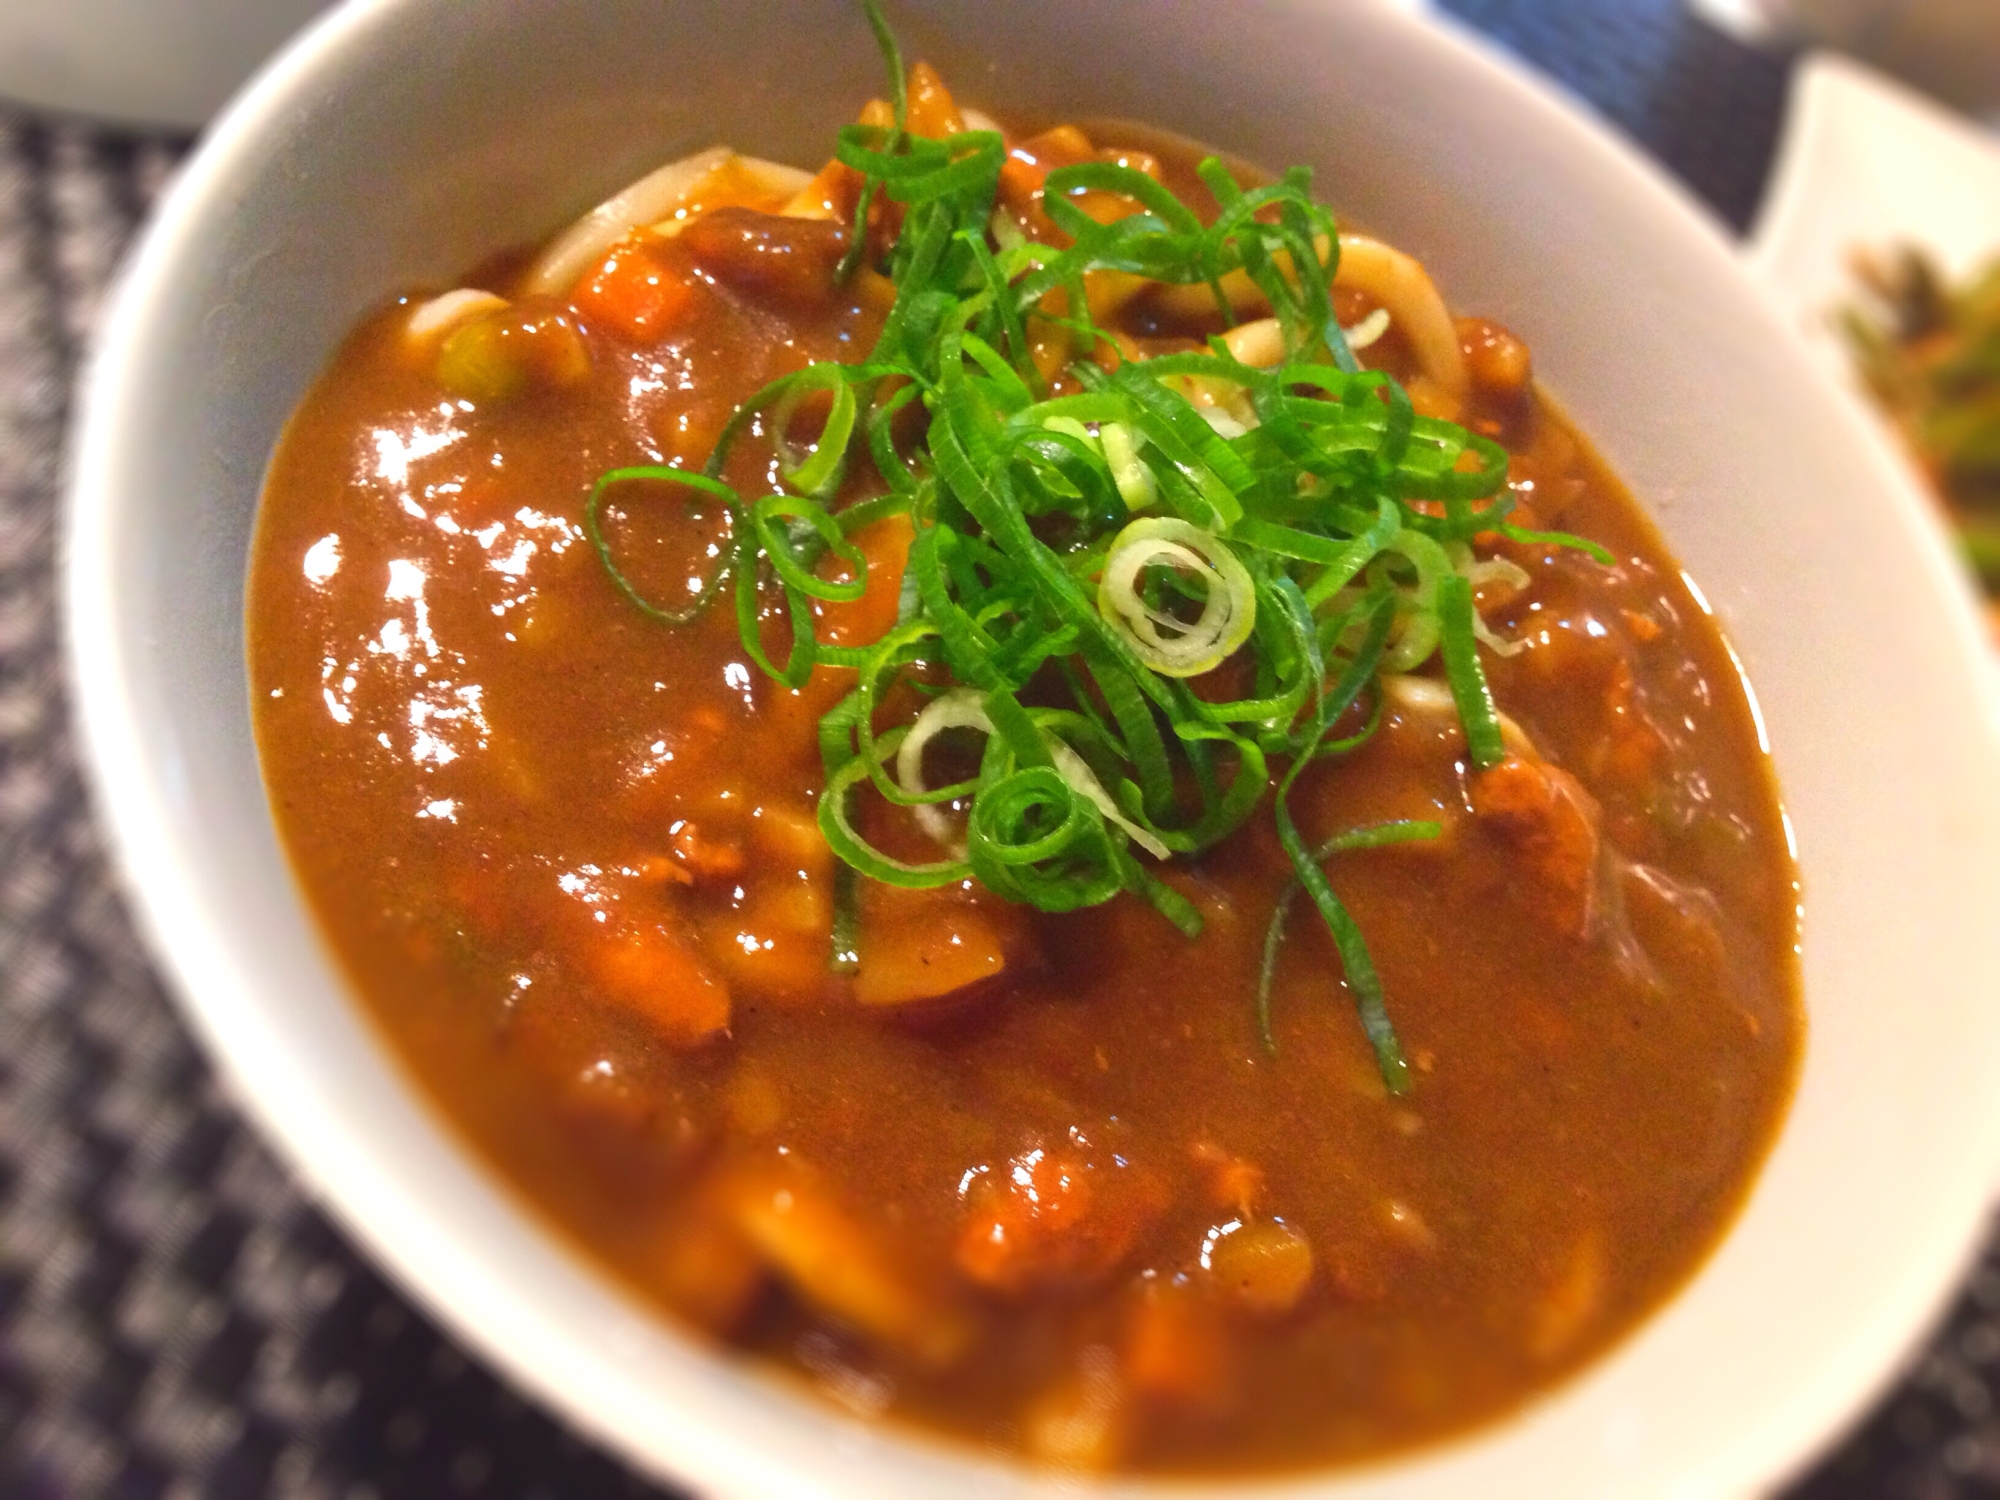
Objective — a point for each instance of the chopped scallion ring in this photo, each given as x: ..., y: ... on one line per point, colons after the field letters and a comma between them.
x: 1165, y: 642
x: 1293, y: 508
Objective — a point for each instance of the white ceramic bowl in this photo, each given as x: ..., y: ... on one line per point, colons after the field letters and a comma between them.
x: 405, y: 139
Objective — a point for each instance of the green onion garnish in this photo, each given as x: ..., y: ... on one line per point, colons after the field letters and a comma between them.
x: 1312, y: 547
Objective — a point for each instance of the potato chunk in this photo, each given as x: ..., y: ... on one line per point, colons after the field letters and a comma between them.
x: 709, y: 1272
x: 1083, y: 1421
x: 1262, y: 1268
x: 841, y: 1265
x: 924, y: 945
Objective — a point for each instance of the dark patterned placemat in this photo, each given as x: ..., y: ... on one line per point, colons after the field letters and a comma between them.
x: 176, y: 1320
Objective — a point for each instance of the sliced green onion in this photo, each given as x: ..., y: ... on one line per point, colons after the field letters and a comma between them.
x: 845, y: 957
x: 1369, y: 836
x: 1136, y: 485
x: 1467, y: 678
x: 964, y: 708
x: 1164, y: 642
x: 657, y: 473
x: 1595, y: 551
x: 1078, y: 558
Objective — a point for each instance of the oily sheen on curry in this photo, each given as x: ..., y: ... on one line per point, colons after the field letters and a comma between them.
x: 1234, y: 646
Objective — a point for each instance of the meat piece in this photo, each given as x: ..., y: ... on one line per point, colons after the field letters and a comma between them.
x: 705, y: 857
x: 1591, y: 660
x: 1496, y: 360
x: 1054, y: 1217
x: 1632, y: 751
x: 1553, y: 824
x: 769, y: 257
x: 1232, y: 1182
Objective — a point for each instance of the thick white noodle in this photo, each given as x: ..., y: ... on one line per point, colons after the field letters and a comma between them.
x: 1428, y: 697
x: 647, y: 201
x: 775, y: 177
x: 1398, y: 282
x: 780, y: 181
x: 448, y: 310
x: 1260, y: 344
x: 1368, y: 330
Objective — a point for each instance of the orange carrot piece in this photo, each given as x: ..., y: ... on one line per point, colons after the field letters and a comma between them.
x: 932, y: 111
x: 634, y: 291
x: 654, y: 974
x: 1176, y: 1350
x: 886, y: 545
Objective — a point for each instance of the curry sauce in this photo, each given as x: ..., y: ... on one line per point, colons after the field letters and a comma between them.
x: 1028, y: 1178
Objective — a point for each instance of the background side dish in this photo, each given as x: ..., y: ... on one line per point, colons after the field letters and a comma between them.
x: 1929, y: 351
x: 1015, y: 775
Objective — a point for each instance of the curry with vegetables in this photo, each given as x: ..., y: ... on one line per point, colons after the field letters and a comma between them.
x: 1017, y: 779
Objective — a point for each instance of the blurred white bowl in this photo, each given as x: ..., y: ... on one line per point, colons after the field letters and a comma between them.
x: 405, y: 139
x: 152, y: 62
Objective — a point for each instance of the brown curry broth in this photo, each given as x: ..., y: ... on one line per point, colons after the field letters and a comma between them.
x: 1576, y: 1139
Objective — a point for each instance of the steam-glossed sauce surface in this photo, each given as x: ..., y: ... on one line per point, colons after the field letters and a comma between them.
x: 568, y: 857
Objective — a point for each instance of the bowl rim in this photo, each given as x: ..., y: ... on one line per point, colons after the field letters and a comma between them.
x: 422, y: 1258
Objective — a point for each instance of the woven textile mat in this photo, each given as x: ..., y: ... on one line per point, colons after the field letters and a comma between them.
x: 176, y: 1320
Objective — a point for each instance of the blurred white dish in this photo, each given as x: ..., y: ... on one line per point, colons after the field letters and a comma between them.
x: 153, y: 62
x: 1950, y: 48
x: 403, y: 140
x: 1865, y: 162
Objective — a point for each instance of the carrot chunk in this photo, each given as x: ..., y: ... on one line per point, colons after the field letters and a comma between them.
x: 1176, y: 1350
x: 859, y: 622
x: 634, y: 290
x: 1053, y: 1217
x: 649, y: 971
